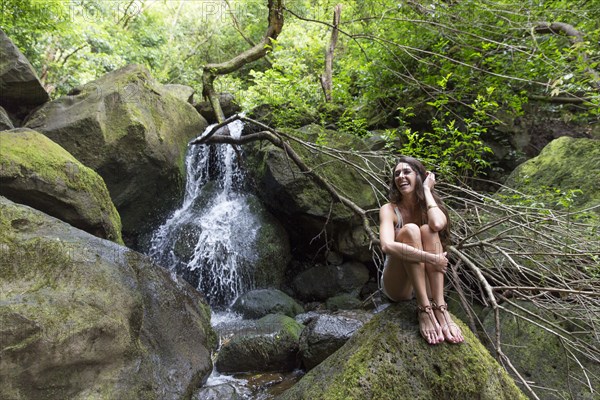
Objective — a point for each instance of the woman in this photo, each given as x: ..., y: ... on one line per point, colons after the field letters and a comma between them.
x: 410, y: 228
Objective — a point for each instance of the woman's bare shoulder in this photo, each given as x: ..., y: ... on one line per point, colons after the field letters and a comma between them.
x: 387, y: 209
x: 387, y: 206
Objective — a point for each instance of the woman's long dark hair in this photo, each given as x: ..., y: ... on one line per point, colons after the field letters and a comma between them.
x: 395, y: 196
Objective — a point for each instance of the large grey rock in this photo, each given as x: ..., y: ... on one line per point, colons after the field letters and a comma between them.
x: 387, y: 359
x: 82, y: 317
x: 565, y: 164
x: 323, y: 281
x: 127, y: 128
x: 221, y: 391
x: 261, y: 302
x: 182, y: 92
x: 325, y: 333
x: 308, y: 209
x: 37, y: 172
x: 269, y: 344
x: 20, y: 89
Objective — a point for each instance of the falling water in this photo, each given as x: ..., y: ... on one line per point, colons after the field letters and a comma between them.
x: 207, y: 239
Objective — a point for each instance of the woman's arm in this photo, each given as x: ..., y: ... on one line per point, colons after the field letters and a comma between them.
x: 436, y: 219
x: 403, y: 251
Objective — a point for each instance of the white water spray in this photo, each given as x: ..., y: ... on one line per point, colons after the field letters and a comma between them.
x: 208, y: 240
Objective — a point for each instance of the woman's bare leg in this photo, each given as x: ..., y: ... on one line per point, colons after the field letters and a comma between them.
x: 400, y: 277
x: 431, y: 243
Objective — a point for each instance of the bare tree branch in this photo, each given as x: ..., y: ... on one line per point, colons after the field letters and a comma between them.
x: 509, y: 253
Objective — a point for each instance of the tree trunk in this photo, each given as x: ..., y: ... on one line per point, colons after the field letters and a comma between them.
x: 327, y: 77
x: 211, y: 71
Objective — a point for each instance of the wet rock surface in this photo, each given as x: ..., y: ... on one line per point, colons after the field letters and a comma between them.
x: 82, y: 317
x: 324, y: 334
x: 268, y: 344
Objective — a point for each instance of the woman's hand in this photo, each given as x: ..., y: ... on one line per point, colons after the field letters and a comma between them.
x: 429, y: 181
x: 439, y: 262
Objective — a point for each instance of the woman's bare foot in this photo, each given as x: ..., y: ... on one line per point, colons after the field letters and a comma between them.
x: 429, y: 327
x: 450, y: 330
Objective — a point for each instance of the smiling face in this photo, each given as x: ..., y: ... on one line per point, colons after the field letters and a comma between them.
x: 405, y: 178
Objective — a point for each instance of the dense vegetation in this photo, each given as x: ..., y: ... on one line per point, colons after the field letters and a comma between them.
x: 439, y: 74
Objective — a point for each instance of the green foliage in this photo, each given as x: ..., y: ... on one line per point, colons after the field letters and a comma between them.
x: 352, y: 124
x: 72, y: 43
x: 389, y: 55
x: 455, y: 151
x: 287, y: 89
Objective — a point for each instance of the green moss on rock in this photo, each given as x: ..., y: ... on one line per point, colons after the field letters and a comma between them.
x: 280, y: 176
x: 270, y: 344
x: 36, y: 171
x: 130, y: 130
x: 84, y: 318
x: 564, y: 164
x: 387, y: 359
x: 309, y: 208
x: 542, y: 356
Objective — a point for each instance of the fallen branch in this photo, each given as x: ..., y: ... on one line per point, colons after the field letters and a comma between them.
x: 538, y: 255
x: 275, y: 138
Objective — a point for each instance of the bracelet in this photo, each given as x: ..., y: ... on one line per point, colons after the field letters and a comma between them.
x: 429, y: 207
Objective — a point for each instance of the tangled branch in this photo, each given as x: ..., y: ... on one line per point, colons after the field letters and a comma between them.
x: 536, y: 264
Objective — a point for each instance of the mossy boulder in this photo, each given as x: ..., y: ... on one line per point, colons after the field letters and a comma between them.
x: 388, y: 359
x: 131, y: 131
x: 270, y: 344
x: 542, y: 357
x: 20, y: 87
x: 182, y: 92
x: 344, y: 301
x: 83, y: 317
x: 565, y: 164
x: 38, y: 172
x: 296, y: 199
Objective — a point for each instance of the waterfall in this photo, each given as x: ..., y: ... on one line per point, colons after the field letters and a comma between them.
x: 207, y: 240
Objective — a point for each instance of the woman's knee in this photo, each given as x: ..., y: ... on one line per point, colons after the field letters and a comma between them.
x: 426, y: 230
x: 410, y: 233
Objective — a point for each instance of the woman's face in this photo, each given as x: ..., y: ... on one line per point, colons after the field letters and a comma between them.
x: 405, y: 178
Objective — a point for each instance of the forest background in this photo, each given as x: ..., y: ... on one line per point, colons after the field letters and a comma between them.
x: 439, y: 75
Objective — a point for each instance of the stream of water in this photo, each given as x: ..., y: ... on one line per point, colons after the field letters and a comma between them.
x: 207, y: 239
